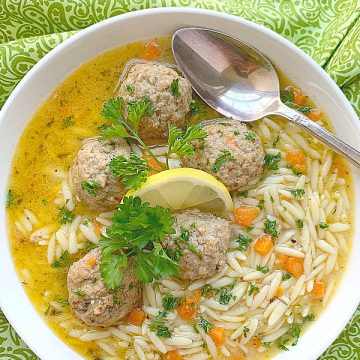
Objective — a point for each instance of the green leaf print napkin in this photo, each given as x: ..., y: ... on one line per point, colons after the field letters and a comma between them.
x: 327, y: 30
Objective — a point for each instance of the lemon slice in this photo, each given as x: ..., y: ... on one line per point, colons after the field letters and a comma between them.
x: 185, y: 188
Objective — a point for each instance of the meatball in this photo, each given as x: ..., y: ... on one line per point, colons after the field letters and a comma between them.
x: 231, y: 152
x: 199, y: 244
x: 91, y: 301
x: 92, y: 165
x: 169, y: 105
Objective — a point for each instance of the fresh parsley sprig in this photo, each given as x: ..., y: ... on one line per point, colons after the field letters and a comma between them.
x: 137, y: 230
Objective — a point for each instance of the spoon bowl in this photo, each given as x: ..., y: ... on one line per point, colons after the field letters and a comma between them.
x: 239, y: 82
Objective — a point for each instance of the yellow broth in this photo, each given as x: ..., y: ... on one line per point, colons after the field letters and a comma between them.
x: 48, y: 146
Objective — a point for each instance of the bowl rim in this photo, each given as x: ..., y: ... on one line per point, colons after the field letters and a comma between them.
x: 28, y: 336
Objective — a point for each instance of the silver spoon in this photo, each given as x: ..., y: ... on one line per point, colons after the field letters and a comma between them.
x: 241, y: 83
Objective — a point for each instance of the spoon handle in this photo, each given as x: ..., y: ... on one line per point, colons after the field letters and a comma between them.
x: 320, y: 133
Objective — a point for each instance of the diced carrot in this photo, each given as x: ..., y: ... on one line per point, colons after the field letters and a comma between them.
x: 230, y: 140
x: 279, y: 291
x: 314, y: 114
x: 318, y: 290
x: 153, y: 164
x: 339, y: 165
x: 299, y: 97
x: 91, y: 262
x: 173, y: 355
x: 263, y: 244
x: 282, y: 258
x: 217, y: 334
x: 97, y: 227
x: 189, y: 306
x: 294, y: 266
x: 244, y: 216
x: 136, y: 317
x: 296, y: 159
x: 255, y: 341
x: 152, y: 51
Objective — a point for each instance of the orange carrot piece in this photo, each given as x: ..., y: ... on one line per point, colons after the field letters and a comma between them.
x: 299, y: 97
x: 255, y: 341
x: 282, y: 258
x: 173, y: 355
x: 217, y: 334
x: 152, y: 51
x: 314, y: 114
x: 318, y: 290
x: 97, y: 227
x: 296, y: 159
x: 339, y: 166
x: 91, y: 262
x: 244, y: 216
x: 279, y: 291
x: 230, y: 140
x: 294, y: 266
x: 189, y: 307
x: 136, y: 317
x: 263, y: 244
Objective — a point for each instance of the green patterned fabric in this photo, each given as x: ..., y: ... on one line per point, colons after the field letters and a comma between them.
x: 327, y: 30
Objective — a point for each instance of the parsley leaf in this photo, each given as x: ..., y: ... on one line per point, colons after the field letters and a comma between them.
x: 271, y: 161
x: 180, y: 142
x: 264, y: 269
x: 67, y: 122
x: 133, y: 172
x: 246, y: 331
x: 90, y: 186
x: 66, y: 216
x: 309, y: 317
x: 253, y: 289
x: 136, y: 110
x: 194, y: 107
x: 270, y: 227
x: 112, y: 109
x: 160, y: 329
x: 79, y: 292
x: 62, y: 262
x: 260, y: 205
x: 155, y: 264
x: 244, y: 242
x: 114, y: 131
x: 170, y: 302
x: 299, y: 224
x: 224, y: 157
x: 225, y: 297
x: 323, y: 225
x: 175, y: 87
x: 297, y: 192
x: 266, y: 345
x: 204, y: 324
x: 285, y: 276
x: 161, y: 315
x: 112, y: 267
x: 250, y: 136
x: 287, y: 97
x: 275, y: 142
x: 10, y: 197
x: 130, y: 89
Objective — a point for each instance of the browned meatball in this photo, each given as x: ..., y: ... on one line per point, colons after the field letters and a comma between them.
x: 231, y: 152
x: 201, y: 242
x: 155, y: 81
x: 92, y: 165
x: 91, y: 301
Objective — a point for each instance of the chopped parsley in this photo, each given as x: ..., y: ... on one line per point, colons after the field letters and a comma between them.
x: 244, y: 193
x: 62, y: 262
x: 225, y: 297
x: 244, y: 242
x: 297, y: 192
x: 266, y: 345
x: 275, y: 142
x: 299, y: 224
x: 224, y: 157
x: 309, y: 317
x: 271, y: 161
x: 250, y: 136
x: 90, y: 186
x: 10, y: 197
x: 44, y: 202
x: 117, y: 301
x: 253, y: 289
x: 323, y: 225
x: 204, y: 324
x: 170, y: 302
x: 161, y: 315
x: 193, y: 248
x: 174, y: 254
x: 260, y: 205
x: 160, y: 329
x: 67, y: 122
x: 66, y: 216
x: 264, y: 269
x: 175, y: 87
x: 79, y: 292
x: 63, y: 302
x: 246, y: 331
x: 270, y: 227
x: 287, y: 97
x: 130, y: 89
x: 285, y: 276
